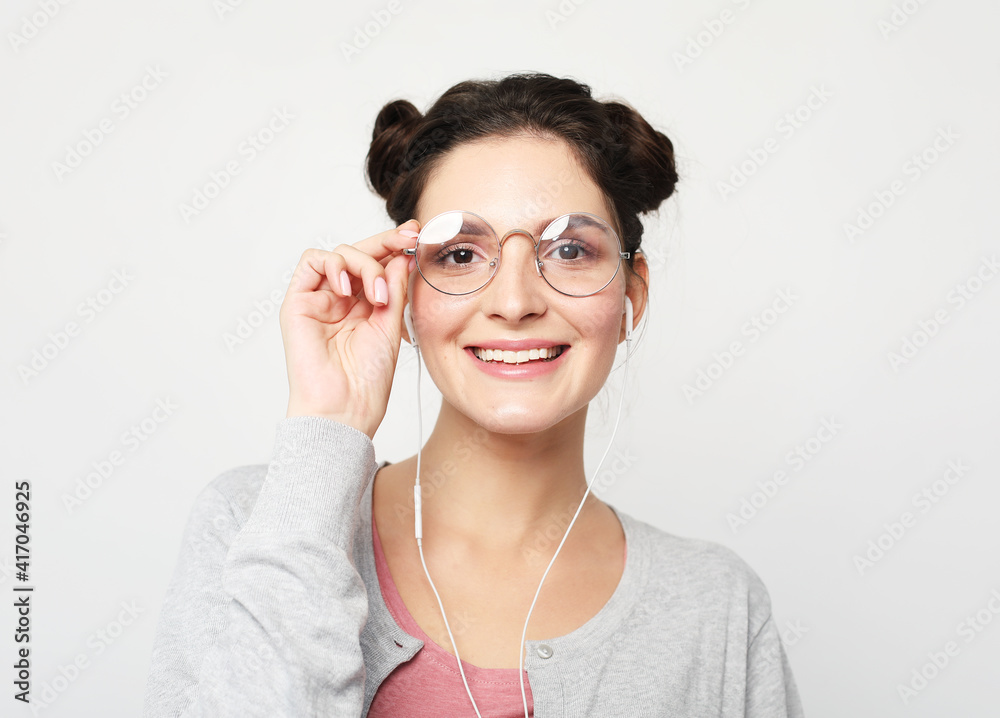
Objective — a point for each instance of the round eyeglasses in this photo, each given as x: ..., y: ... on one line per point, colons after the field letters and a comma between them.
x: 458, y: 252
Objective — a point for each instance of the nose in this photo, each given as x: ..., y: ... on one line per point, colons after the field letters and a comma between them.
x: 517, y: 289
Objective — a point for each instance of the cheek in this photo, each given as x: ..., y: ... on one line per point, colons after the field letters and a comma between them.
x: 602, y: 325
x: 437, y: 319
x: 430, y: 309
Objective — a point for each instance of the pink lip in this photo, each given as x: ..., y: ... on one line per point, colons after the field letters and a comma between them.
x: 528, y: 370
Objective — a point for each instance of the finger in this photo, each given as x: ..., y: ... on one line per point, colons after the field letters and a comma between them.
x: 318, y: 270
x: 390, y: 316
x: 382, y: 247
x: 372, y: 273
x: 385, y: 244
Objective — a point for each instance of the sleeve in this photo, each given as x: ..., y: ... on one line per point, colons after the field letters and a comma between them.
x: 770, y: 689
x: 265, y: 619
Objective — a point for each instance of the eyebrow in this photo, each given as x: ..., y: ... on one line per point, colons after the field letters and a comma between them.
x: 579, y: 220
x: 475, y: 230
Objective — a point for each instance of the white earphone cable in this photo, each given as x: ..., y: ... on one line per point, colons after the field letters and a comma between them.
x: 418, y: 529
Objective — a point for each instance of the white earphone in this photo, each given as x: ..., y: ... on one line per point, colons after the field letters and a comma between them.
x: 408, y: 321
x: 628, y: 319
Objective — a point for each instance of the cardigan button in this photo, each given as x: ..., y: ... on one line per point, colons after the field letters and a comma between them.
x: 544, y: 651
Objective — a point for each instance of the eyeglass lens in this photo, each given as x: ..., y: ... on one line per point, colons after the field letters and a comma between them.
x: 458, y: 252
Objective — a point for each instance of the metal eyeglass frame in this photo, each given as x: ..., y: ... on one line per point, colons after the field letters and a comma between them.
x: 495, y: 263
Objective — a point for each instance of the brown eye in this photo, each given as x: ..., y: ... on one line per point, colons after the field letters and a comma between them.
x: 569, y: 251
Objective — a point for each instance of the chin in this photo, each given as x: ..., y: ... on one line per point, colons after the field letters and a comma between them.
x: 520, y: 419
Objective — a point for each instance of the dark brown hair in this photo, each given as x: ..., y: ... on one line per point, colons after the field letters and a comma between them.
x: 630, y: 162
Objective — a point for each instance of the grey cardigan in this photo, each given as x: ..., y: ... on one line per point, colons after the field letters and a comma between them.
x: 274, y: 609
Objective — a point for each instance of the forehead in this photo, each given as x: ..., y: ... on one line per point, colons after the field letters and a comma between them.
x: 512, y: 182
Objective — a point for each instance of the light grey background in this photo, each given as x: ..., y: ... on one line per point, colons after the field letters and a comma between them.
x: 884, y: 78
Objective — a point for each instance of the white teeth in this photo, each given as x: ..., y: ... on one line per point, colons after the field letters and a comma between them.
x: 517, y: 357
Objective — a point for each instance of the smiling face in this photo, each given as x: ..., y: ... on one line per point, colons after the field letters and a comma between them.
x: 518, y: 183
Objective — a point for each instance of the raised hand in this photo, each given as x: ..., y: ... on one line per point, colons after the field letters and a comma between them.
x: 341, y: 325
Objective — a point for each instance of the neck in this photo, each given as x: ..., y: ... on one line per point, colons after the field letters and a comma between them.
x: 500, y: 490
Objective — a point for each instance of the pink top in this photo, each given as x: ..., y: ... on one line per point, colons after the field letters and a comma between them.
x: 429, y: 684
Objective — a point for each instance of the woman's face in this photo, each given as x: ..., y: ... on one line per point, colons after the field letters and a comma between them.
x: 516, y: 183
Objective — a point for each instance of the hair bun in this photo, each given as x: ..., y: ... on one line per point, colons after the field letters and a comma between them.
x: 651, y: 153
x: 394, y: 128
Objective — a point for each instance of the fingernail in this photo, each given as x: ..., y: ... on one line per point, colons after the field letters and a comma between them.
x: 345, y: 283
x: 408, y: 233
x: 381, y: 291
x: 412, y: 263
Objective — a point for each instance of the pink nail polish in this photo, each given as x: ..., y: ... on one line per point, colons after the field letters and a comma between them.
x: 345, y: 283
x: 408, y: 233
x: 381, y: 291
x: 412, y: 264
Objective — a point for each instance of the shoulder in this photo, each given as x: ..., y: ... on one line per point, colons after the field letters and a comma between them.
x: 698, y: 572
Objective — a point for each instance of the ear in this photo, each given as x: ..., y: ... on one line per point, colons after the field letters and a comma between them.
x: 637, y: 290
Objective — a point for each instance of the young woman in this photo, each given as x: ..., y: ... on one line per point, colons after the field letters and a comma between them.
x: 303, y: 588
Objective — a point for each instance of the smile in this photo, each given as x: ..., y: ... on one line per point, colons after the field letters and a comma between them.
x: 520, y: 356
